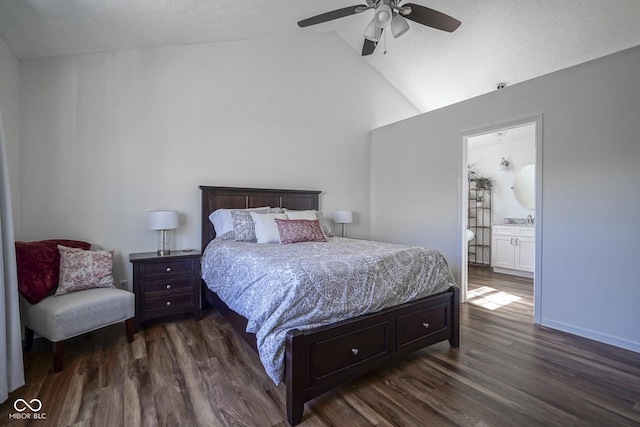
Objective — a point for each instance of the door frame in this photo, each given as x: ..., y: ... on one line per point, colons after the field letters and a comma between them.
x: 464, y: 204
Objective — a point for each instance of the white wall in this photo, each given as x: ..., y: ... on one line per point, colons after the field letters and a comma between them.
x: 107, y: 137
x: 10, y: 112
x: 590, y: 198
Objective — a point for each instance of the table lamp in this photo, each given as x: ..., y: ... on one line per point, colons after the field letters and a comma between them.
x: 342, y: 218
x: 163, y: 221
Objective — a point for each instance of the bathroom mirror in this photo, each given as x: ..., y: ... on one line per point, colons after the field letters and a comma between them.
x: 524, y: 186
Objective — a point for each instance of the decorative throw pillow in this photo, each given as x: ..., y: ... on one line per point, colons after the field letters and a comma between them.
x: 266, y: 229
x: 299, y: 230
x: 80, y: 269
x: 310, y: 214
x: 244, y: 227
x: 38, y: 266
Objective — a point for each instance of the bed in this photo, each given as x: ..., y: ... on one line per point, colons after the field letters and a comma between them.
x: 318, y: 358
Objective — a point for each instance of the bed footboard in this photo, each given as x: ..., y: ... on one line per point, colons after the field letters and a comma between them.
x: 322, y: 358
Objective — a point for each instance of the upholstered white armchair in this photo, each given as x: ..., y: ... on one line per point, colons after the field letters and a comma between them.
x: 58, y: 318
x: 67, y: 290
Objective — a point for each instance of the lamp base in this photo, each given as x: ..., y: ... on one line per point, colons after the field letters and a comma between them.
x: 163, y: 244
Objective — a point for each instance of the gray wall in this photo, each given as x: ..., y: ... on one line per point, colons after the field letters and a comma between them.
x: 588, y: 282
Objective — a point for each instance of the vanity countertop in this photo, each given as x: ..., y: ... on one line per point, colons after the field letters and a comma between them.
x: 528, y: 224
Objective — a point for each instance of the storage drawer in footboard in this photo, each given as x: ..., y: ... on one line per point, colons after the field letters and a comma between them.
x: 333, y: 356
x: 423, y: 327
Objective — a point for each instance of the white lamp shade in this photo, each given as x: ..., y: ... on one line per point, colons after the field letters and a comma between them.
x: 383, y: 15
x: 372, y: 31
x: 343, y: 217
x: 399, y: 26
x: 163, y: 220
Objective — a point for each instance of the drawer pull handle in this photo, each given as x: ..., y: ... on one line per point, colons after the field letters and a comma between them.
x: 354, y: 351
x: 426, y: 325
x: 168, y: 269
x: 168, y: 303
x: 168, y: 286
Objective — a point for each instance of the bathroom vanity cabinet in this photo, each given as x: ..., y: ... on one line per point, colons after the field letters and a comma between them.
x: 513, y: 249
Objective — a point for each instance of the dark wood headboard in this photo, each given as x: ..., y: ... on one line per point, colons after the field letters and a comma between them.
x: 241, y: 198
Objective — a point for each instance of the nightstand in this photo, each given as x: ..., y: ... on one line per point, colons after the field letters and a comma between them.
x: 166, y: 285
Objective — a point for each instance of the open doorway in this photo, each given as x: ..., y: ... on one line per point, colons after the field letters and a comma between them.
x: 501, y: 207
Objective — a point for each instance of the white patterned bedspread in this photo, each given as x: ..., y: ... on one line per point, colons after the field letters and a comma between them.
x: 305, y: 285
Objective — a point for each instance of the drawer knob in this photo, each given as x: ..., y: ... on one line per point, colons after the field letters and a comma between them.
x: 426, y: 325
x: 168, y: 269
x: 354, y: 351
x: 168, y: 303
x: 168, y: 286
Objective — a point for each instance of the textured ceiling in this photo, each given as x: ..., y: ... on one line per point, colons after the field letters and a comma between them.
x: 499, y: 40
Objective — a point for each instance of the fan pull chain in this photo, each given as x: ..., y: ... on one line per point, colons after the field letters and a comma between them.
x: 385, y: 43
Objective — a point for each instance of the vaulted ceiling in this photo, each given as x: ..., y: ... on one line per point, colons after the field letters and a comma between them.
x: 506, y: 41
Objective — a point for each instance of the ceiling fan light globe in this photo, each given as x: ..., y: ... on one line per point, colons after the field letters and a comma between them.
x: 399, y: 26
x: 372, y: 32
x: 383, y: 15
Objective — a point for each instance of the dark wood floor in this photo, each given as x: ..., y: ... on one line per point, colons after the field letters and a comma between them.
x: 507, y: 372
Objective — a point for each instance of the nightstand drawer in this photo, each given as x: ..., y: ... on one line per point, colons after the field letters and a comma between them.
x: 169, y: 286
x: 422, y: 324
x: 168, y: 268
x: 169, y: 303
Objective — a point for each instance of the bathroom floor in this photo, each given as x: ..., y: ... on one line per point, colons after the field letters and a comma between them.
x: 501, y: 293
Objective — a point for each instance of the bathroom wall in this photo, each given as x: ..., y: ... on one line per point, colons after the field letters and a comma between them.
x: 486, y: 151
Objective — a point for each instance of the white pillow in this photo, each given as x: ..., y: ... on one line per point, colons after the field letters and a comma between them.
x: 223, y: 221
x: 301, y: 215
x: 266, y: 227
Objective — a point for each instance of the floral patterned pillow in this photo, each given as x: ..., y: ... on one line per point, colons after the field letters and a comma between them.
x: 81, y: 269
x: 243, y: 225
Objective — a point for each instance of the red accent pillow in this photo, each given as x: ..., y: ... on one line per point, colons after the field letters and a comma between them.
x: 39, y: 266
x: 299, y: 230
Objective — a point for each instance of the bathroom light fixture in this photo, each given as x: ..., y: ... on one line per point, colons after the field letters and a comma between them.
x: 342, y: 218
x: 163, y: 221
x: 504, y: 164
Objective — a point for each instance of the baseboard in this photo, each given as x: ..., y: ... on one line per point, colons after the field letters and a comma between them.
x: 519, y: 273
x: 592, y: 335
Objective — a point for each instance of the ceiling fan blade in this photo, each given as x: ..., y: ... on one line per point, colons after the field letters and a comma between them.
x: 330, y: 16
x: 368, y: 47
x: 431, y: 18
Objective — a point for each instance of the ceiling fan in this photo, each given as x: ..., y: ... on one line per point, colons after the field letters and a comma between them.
x: 388, y: 13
